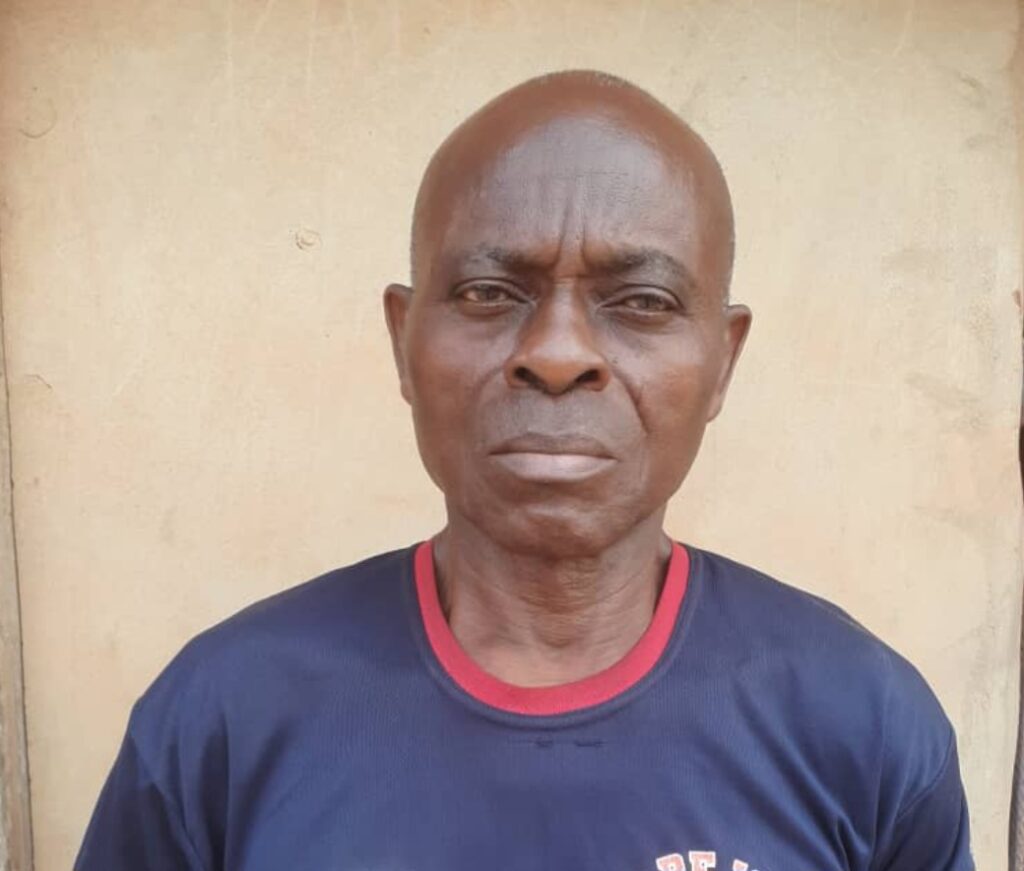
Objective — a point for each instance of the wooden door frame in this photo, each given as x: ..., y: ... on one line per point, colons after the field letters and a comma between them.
x: 15, y: 808
x: 1016, y: 840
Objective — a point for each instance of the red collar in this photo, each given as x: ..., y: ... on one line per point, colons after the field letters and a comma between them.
x: 564, y: 698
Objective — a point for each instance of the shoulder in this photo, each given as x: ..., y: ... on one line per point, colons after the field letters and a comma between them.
x: 340, y: 606
x: 847, y: 692
x: 343, y: 622
x: 778, y: 614
x: 344, y: 602
x: 768, y: 618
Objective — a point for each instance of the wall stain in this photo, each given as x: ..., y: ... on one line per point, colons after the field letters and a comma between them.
x: 306, y: 239
x: 35, y: 376
x: 40, y: 118
x: 973, y: 91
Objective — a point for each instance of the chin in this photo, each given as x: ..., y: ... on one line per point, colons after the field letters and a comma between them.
x: 547, y: 532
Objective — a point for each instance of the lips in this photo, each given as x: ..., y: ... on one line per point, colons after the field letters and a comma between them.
x: 543, y: 458
x: 542, y: 443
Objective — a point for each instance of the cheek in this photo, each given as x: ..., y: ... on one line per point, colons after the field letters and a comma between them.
x: 444, y: 370
x: 674, y: 408
x: 446, y: 375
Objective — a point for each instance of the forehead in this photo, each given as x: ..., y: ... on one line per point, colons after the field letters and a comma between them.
x: 572, y: 180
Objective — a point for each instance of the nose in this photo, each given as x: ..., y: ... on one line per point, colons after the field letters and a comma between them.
x: 556, y: 351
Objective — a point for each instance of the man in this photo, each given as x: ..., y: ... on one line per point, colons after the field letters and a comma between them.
x: 550, y: 682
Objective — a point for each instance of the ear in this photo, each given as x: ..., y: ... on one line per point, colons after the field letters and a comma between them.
x: 397, y: 298
x: 737, y: 325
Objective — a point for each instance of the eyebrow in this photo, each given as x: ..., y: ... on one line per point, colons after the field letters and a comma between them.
x: 617, y: 261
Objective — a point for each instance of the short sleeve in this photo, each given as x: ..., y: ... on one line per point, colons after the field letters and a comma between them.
x: 135, y: 826
x: 933, y: 832
x: 165, y: 800
x: 923, y: 821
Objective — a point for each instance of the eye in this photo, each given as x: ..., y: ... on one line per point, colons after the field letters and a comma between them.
x: 645, y: 302
x: 485, y: 293
x: 486, y: 296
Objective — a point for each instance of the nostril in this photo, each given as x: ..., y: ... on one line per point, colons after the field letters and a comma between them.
x: 523, y: 374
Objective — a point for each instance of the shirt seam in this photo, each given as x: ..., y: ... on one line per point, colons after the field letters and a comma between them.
x: 931, y: 787
x: 174, y: 815
x: 885, y: 746
x: 917, y: 800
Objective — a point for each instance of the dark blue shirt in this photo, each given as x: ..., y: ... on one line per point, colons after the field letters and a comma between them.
x: 338, y: 727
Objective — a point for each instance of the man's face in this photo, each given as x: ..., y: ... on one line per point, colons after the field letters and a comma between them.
x: 566, y: 341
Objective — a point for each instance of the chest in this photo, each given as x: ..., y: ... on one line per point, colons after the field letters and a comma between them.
x: 595, y: 798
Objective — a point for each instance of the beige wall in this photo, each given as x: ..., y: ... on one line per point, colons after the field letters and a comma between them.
x: 202, y: 201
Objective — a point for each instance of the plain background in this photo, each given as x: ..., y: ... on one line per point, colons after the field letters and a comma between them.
x: 201, y: 202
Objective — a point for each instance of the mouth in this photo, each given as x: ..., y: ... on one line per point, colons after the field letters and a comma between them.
x: 553, y: 459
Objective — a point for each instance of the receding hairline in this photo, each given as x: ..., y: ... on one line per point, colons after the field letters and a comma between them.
x: 580, y: 93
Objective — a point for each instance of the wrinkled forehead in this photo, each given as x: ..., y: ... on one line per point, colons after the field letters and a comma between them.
x: 566, y: 181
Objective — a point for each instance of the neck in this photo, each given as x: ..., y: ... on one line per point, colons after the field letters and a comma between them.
x: 537, y: 620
